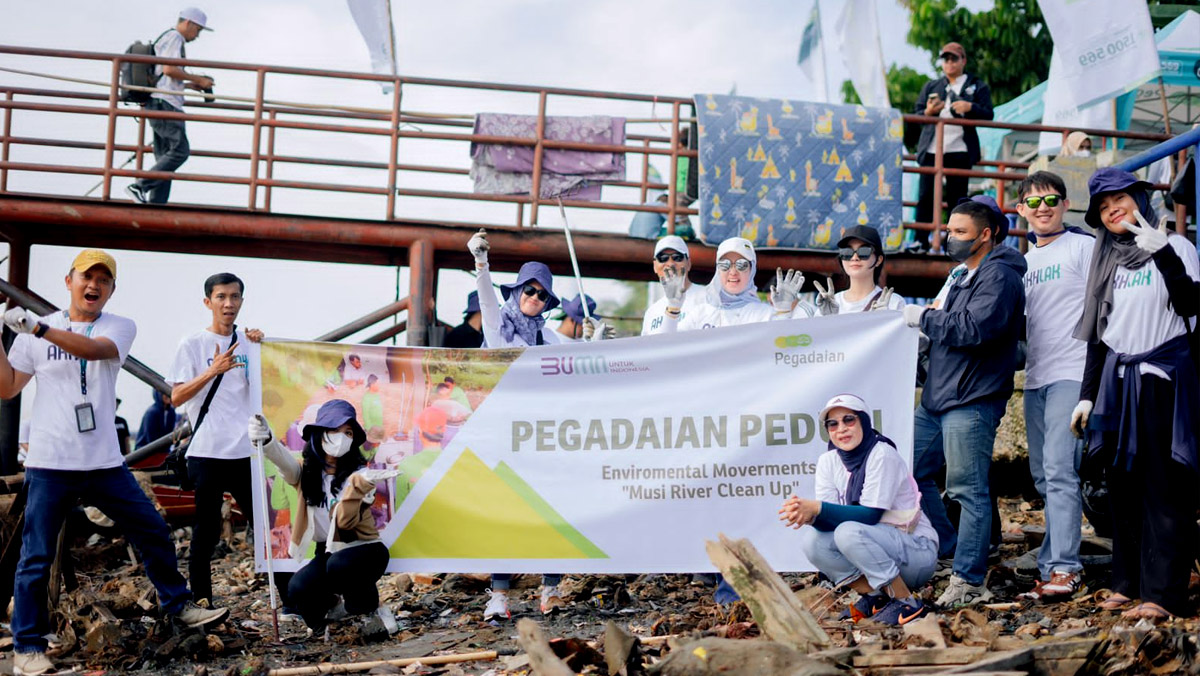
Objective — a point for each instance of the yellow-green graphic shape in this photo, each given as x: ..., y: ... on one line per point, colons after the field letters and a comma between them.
x: 478, y: 513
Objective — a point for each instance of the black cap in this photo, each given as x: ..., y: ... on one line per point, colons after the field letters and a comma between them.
x: 865, y: 233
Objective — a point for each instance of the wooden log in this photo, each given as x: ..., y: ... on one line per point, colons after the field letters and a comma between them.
x: 771, y: 601
x: 734, y: 657
x: 1003, y: 661
x: 542, y: 659
x: 352, y: 667
x: 920, y: 656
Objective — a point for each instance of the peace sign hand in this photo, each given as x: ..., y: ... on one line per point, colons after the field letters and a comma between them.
x: 1147, y: 237
x: 224, y: 361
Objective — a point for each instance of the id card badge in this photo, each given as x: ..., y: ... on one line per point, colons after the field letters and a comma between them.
x: 85, y: 418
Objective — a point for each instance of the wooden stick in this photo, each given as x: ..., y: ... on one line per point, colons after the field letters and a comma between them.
x: 352, y: 667
x: 542, y: 659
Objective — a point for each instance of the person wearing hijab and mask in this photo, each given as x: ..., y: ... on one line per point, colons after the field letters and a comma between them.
x: 1078, y: 144
x: 860, y: 252
x: 731, y: 299
x: 1139, y: 393
x: 335, y: 513
x: 865, y: 529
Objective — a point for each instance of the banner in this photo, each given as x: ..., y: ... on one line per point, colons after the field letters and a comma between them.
x: 374, y: 21
x: 797, y: 175
x: 811, y: 58
x: 611, y: 457
x: 857, y: 30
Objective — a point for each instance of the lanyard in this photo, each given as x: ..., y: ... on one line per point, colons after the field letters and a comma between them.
x: 82, y: 362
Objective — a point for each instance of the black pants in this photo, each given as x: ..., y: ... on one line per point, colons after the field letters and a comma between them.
x: 955, y: 189
x: 214, y: 477
x: 350, y: 572
x: 1154, y: 508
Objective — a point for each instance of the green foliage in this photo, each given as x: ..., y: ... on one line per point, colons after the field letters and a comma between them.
x: 634, y: 306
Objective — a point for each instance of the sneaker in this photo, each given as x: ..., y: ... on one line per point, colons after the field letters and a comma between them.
x: 898, y: 612
x: 337, y: 612
x: 551, y: 601
x: 866, y: 606
x: 944, y: 568
x: 703, y: 580
x: 1061, y: 586
x: 193, y: 616
x: 136, y: 193
x: 962, y: 593
x: 31, y: 664
x: 497, y: 606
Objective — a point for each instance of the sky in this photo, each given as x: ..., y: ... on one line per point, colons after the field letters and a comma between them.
x: 669, y: 47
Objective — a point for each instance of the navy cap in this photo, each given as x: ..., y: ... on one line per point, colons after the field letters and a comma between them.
x: 573, y: 308
x: 332, y: 415
x: 998, y: 219
x: 472, y: 303
x: 531, y: 272
x: 865, y: 233
x: 1108, y: 180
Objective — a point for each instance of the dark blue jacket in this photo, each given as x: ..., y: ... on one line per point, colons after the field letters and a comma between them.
x: 973, y: 338
x: 974, y: 90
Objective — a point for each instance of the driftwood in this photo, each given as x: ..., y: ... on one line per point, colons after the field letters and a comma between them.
x: 352, y: 667
x: 778, y: 612
x: 542, y: 659
x: 621, y: 652
x: 733, y: 657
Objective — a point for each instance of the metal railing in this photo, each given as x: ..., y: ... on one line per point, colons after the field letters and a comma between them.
x: 267, y: 119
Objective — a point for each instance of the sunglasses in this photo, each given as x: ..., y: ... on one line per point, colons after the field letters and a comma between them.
x: 863, y: 252
x: 742, y: 265
x: 531, y: 290
x: 1035, y: 201
x: 948, y: 56
x: 664, y: 257
x: 848, y: 420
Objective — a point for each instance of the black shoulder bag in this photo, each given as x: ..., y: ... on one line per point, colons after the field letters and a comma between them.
x: 177, y: 458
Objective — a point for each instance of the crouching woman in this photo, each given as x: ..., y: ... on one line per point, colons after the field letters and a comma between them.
x: 865, y: 530
x: 349, y: 557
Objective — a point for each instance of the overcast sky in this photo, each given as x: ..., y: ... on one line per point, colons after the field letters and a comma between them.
x: 670, y: 47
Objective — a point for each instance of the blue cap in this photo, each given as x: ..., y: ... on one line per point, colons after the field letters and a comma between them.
x: 472, y: 303
x: 573, y: 308
x: 1108, y: 180
x: 332, y: 415
x: 998, y: 219
x: 533, y: 272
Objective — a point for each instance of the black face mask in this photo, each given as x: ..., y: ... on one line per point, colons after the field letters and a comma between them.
x: 960, y: 250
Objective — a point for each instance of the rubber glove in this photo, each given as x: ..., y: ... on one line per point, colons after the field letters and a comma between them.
x: 785, y: 292
x: 259, y: 430
x: 883, y: 301
x: 912, y: 314
x: 672, y: 284
x: 1079, y: 417
x: 1147, y: 237
x: 826, y: 297
x: 21, y: 320
x: 478, y: 246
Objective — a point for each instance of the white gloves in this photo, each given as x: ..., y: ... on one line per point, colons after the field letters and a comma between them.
x: 478, y: 246
x: 883, y: 301
x: 21, y: 320
x: 594, y: 329
x: 672, y: 283
x: 785, y: 292
x: 1146, y: 237
x: 1079, y: 417
x: 826, y: 297
x: 258, y: 429
x: 912, y: 314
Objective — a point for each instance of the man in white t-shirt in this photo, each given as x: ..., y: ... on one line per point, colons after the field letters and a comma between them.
x: 171, y: 148
x: 218, y: 455
x: 671, y: 259
x: 1055, y: 290
x: 76, y: 354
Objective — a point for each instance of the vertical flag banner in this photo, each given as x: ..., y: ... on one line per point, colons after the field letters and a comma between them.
x: 812, y: 55
x: 610, y: 457
x: 857, y: 31
x: 374, y: 21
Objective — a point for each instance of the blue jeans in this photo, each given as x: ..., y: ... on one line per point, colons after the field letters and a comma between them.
x: 1054, y: 454
x: 503, y: 581
x: 171, y: 150
x: 961, y: 439
x: 881, y: 553
x: 50, y: 495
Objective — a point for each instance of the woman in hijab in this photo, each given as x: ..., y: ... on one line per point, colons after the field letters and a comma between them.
x: 1078, y: 144
x: 1139, y: 395
x: 865, y: 529
x: 860, y: 252
x: 731, y: 299
x: 334, y: 498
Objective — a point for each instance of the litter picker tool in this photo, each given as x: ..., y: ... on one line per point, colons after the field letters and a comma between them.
x: 574, y: 260
x: 266, y: 529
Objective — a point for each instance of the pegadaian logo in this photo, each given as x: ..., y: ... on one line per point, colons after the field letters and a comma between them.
x: 797, y: 358
x: 800, y: 340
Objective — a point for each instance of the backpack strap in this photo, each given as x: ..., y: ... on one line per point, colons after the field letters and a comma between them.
x: 212, y: 392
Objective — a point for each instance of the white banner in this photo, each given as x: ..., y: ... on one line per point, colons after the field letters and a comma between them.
x: 374, y: 21
x: 1105, y: 48
x: 612, y: 457
x: 1059, y: 110
x: 858, y: 42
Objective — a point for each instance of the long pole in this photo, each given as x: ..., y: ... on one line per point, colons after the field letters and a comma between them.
x: 266, y: 539
x: 574, y: 260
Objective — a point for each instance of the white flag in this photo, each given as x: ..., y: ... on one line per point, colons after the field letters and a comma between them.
x: 1059, y: 110
x: 857, y: 30
x: 375, y: 23
x: 1105, y: 47
x: 812, y: 56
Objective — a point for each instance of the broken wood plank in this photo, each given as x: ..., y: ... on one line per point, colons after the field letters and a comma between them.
x: 352, y: 667
x: 1002, y: 661
x: 542, y: 659
x: 920, y: 656
x: 771, y: 601
x: 734, y: 657
x: 620, y: 647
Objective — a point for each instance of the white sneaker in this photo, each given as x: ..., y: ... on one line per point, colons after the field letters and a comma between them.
x: 31, y: 664
x: 551, y: 601
x: 962, y: 593
x: 388, y: 619
x: 497, y: 606
x: 194, y: 616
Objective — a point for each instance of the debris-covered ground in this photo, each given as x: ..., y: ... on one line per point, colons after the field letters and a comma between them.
x: 107, y: 623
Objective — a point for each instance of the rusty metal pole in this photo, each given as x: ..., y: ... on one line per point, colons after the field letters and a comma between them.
x: 935, y: 242
x: 270, y: 162
x: 420, y: 291
x: 8, y: 114
x: 256, y: 139
x: 394, y: 151
x: 645, y: 170
x: 10, y: 410
x: 140, y: 151
x: 673, y: 180
x: 535, y: 192
x: 111, y: 139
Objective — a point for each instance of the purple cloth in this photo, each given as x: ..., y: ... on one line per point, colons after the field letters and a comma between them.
x: 574, y: 174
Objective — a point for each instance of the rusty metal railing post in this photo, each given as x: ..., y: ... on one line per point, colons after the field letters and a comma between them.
x: 420, y: 291
x: 645, y: 170
x: 673, y: 179
x: 535, y: 191
x: 139, y: 153
x: 393, y: 152
x: 256, y: 138
x: 111, y: 138
x: 270, y: 162
x: 8, y: 115
x: 939, y: 164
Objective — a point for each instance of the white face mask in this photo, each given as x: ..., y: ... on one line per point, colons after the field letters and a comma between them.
x: 336, y: 444
x: 1083, y: 153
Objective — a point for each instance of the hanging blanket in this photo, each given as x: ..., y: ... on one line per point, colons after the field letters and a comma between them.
x: 573, y: 174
